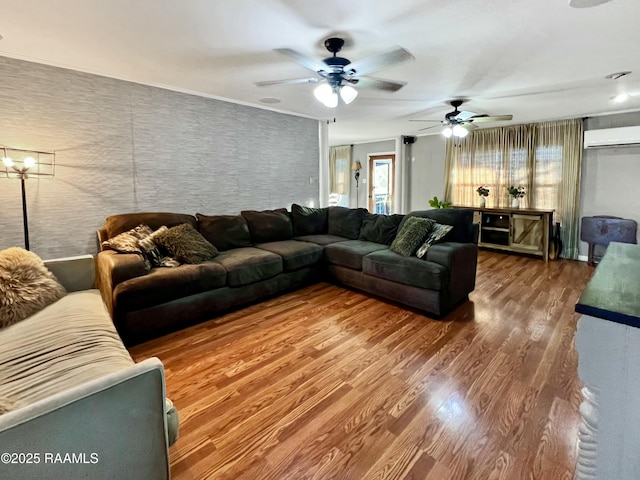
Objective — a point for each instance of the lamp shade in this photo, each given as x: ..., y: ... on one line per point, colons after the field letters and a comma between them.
x: 355, y: 166
x: 460, y: 131
x: 447, y: 132
x: 348, y: 94
x: 325, y: 94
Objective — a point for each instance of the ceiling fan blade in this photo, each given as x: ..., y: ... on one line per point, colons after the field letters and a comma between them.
x: 288, y: 81
x: 427, y: 128
x: 377, y: 62
x: 386, y: 85
x: 307, y: 62
x: 489, y: 118
x: 464, y: 115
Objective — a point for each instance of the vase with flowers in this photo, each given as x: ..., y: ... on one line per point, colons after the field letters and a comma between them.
x: 483, y: 191
x: 517, y: 193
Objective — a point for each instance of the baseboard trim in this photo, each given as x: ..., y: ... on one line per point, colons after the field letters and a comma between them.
x: 583, y: 258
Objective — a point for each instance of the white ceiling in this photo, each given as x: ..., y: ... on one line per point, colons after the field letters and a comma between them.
x: 536, y: 59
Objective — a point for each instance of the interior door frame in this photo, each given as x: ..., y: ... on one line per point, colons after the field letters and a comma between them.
x: 392, y: 187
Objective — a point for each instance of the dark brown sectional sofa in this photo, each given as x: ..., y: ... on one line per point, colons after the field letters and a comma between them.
x: 268, y: 252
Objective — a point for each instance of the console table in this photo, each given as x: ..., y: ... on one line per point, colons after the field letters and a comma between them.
x: 522, y: 230
x: 608, y: 345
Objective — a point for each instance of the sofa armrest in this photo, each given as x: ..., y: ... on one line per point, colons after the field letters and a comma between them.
x: 75, y: 273
x: 115, y: 426
x: 113, y: 269
x: 461, y: 259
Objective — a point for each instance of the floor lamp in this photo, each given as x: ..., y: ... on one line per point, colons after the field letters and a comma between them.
x: 356, y: 167
x: 21, y: 164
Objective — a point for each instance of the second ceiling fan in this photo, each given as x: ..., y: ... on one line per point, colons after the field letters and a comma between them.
x: 460, y: 123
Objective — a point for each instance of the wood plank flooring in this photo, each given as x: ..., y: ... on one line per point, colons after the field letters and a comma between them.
x: 331, y: 383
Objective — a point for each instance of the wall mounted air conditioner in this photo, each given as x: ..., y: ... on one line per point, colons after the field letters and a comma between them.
x: 612, y: 137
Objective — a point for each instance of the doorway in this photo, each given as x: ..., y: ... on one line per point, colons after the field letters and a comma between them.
x: 381, y: 178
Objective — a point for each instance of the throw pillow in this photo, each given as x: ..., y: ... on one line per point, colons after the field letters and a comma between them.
x: 436, y: 234
x: 153, y: 253
x: 26, y: 286
x: 268, y: 225
x: 225, y: 231
x: 309, y: 221
x: 460, y: 218
x: 116, y: 224
x: 127, y: 242
x: 345, y: 222
x: 411, y: 234
x: 186, y: 244
x: 380, y: 228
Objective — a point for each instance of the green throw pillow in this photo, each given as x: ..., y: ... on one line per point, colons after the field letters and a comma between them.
x: 186, y: 244
x: 436, y: 234
x: 413, y: 232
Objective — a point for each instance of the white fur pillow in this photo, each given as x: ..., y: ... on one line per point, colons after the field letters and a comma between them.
x: 26, y: 286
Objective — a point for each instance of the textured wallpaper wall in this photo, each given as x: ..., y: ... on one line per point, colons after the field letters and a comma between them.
x: 124, y: 147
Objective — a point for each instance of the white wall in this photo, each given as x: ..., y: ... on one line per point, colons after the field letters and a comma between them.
x: 426, y: 172
x: 611, y: 175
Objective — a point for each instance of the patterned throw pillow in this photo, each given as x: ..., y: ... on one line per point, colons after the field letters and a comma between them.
x: 152, y: 252
x: 436, y: 234
x: 26, y: 285
x: 411, y: 234
x: 127, y: 242
x: 186, y: 244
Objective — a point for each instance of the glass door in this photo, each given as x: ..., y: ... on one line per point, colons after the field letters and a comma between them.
x: 381, y: 175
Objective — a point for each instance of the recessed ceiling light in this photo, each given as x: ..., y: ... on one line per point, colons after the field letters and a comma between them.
x: 586, y: 3
x: 617, y: 75
x: 270, y: 100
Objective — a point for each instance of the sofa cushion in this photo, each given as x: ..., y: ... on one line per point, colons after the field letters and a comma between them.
x: 410, y: 235
x: 26, y: 285
x: 249, y: 265
x: 185, y: 244
x: 295, y: 255
x: 268, y: 225
x: 324, y: 239
x: 350, y: 253
x: 162, y: 285
x: 64, y: 345
x: 380, y: 228
x: 345, y: 222
x: 406, y: 270
x: 309, y: 221
x: 224, y: 231
x: 460, y: 218
x: 116, y: 224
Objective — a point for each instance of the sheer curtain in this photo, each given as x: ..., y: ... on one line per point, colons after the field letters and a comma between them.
x: 545, y: 158
x: 339, y: 175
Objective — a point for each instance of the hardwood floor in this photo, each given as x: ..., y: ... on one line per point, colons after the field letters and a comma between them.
x: 330, y: 383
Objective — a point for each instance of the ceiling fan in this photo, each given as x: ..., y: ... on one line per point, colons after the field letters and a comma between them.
x: 338, y: 74
x: 460, y: 123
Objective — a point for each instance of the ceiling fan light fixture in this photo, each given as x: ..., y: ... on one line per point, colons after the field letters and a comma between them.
x: 460, y: 131
x: 348, y: 94
x: 447, y: 132
x: 326, y: 95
